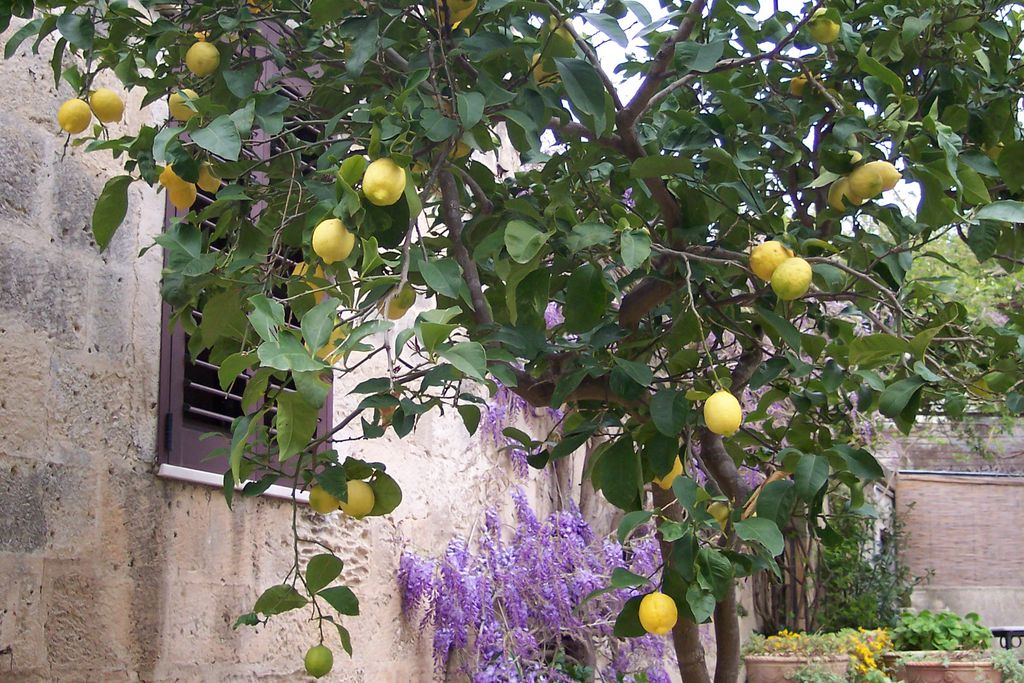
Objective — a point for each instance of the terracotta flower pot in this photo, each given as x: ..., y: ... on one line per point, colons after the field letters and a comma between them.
x: 780, y: 668
x: 942, y: 667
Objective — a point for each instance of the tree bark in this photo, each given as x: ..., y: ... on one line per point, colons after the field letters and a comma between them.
x: 686, y: 634
x: 727, y: 638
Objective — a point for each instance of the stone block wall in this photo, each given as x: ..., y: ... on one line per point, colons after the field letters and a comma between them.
x: 108, y: 572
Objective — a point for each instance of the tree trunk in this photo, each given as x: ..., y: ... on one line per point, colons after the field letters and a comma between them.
x: 727, y: 638
x: 686, y: 634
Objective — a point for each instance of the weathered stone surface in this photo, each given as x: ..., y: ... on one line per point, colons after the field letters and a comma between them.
x: 22, y: 522
x: 25, y: 164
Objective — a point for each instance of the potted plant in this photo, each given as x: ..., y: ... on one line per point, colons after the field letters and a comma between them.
x: 814, y: 657
x: 942, y: 647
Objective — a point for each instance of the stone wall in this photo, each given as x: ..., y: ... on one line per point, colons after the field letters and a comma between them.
x: 109, y: 573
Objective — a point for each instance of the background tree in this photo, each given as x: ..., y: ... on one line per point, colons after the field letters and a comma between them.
x: 634, y: 214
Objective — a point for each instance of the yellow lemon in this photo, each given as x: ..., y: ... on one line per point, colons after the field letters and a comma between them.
x: 338, y: 335
x: 666, y: 482
x: 332, y: 241
x: 886, y: 171
x: 792, y: 278
x: 461, y: 149
x: 798, y: 85
x: 855, y: 157
x: 993, y: 151
x: 765, y: 258
x: 458, y: 10
x: 74, y: 116
x: 360, y: 499
x: 658, y: 613
x: 383, y: 182
x: 207, y: 181
x: 543, y: 76
x: 840, y: 191
x: 319, y: 279
x: 318, y: 661
x: 176, y: 104
x: 107, y: 105
x: 722, y: 412
x: 182, y: 196
x: 823, y: 30
x: 169, y: 179
x: 255, y: 6
x: 865, y: 181
x: 401, y: 303
x: 321, y: 501
x: 202, y: 58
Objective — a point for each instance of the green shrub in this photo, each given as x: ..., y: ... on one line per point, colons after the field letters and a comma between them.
x: 940, y: 631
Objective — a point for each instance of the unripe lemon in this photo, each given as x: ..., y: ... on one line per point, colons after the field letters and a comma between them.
x: 383, y: 182
x: 207, y: 181
x: 74, y: 116
x: 886, y: 171
x: 765, y: 258
x: 332, y: 241
x: 722, y: 412
x: 107, y: 105
x: 319, y: 661
x: 839, y: 191
x: 666, y: 482
x: 823, y: 30
x: 360, y: 499
x: 176, y: 104
x: 720, y: 511
x: 798, y: 85
x: 865, y: 181
x: 658, y: 613
x: 321, y: 501
x: 182, y: 196
x: 202, y: 58
x: 792, y: 279
x: 401, y: 303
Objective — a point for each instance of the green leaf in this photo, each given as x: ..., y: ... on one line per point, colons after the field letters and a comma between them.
x: 387, y: 494
x: 471, y: 108
x: 639, y: 372
x: 242, y: 81
x: 77, y: 29
x: 776, y: 501
x: 657, y: 166
x: 701, y: 603
x: 469, y: 357
x: 763, y: 531
x: 872, y: 66
x: 669, y: 409
x: 321, y: 570
x: 29, y: 29
x: 586, y: 235
x: 470, y: 417
x: 110, y: 210
x: 585, y: 299
x: 342, y: 599
x: 608, y: 26
x: 811, y: 475
x: 687, y: 492
x: 233, y: 366
x: 220, y: 138
x: 623, y: 578
x: 241, y: 430
x: 630, y: 521
x: 279, y: 599
x: 617, y: 474
x: 325, y: 11
x: 627, y: 624
x: 716, y: 570
x: 1007, y: 210
x: 296, y: 424
x: 582, y: 84
x: 863, y: 465
x: 266, y: 317
x: 1011, y: 165
x: 700, y: 57
x: 287, y: 353
x: 523, y: 241
x: 782, y: 327
x: 635, y: 247
x: 873, y: 349
x: 898, y: 394
x: 343, y: 635
x: 318, y: 323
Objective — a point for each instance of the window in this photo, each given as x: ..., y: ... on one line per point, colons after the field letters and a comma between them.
x: 192, y: 404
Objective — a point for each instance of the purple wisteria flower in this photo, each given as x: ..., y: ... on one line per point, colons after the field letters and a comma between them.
x: 511, y: 607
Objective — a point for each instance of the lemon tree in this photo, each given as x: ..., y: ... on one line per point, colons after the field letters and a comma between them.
x: 706, y: 258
